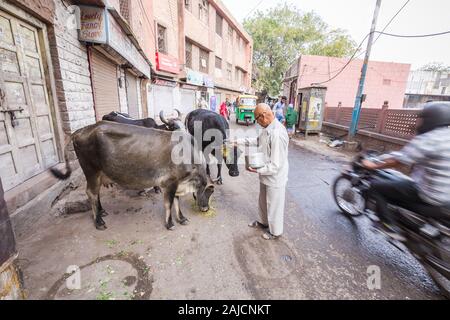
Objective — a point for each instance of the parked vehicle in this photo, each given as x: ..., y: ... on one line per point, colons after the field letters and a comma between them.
x: 428, y: 239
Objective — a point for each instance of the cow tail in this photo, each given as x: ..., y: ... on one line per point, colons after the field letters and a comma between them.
x: 59, y: 174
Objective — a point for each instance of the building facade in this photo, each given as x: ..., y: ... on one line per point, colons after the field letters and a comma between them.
x: 64, y: 65
x: 201, y: 53
x: 428, y: 83
x: 385, y: 81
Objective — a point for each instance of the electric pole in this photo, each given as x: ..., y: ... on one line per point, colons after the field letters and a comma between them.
x: 359, y: 95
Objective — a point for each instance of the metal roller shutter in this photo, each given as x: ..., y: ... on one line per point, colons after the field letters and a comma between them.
x: 104, y: 81
x: 132, y: 96
x: 187, y: 101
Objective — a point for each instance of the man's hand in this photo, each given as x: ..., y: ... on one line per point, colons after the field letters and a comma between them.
x: 369, y: 164
x: 252, y: 170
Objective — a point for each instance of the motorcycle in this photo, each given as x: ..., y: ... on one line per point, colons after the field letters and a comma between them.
x: 426, y: 238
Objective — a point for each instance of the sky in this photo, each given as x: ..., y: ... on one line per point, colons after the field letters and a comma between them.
x: 355, y: 16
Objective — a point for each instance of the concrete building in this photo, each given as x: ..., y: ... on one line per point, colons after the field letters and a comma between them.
x: 202, y: 52
x: 64, y: 65
x: 428, y: 83
x: 385, y: 81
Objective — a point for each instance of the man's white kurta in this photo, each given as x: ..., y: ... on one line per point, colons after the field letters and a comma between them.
x: 273, y: 142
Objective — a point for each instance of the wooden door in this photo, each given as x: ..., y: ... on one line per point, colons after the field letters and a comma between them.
x: 27, y: 143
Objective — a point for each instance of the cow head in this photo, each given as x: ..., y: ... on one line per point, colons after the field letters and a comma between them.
x: 112, y: 116
x: 172, y: 124
x: 203, y: 193
x: 231, y: 154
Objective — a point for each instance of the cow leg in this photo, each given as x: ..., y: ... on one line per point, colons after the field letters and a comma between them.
x: 219, y: 173
x: 100, y: 207
x: 169, y: 196
x: 181, y: 219
x: 208, y: 172
x: 93, y: 193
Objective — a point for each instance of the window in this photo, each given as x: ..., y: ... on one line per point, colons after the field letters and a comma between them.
x: 219, y: 23
x: 204, y: 66
x: 162, y: 41
x: 188, y: 5
x: 218, y: 63
x: 203, y: 8
x: 230, y: 34
x: 125, y: 9
x: 386, y: 82
x: 236, y: 75
x: 229, y: 68
x: 188, y: 54
x: 444, y: 89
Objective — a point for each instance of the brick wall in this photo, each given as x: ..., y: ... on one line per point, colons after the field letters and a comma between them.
x: 72, y: 76
x: 384, y: 80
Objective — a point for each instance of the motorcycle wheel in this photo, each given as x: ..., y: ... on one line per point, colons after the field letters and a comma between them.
x: 442, y: 282
x: 349, y: 201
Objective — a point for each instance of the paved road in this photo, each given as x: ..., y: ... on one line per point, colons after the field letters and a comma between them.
x: 322, y: 255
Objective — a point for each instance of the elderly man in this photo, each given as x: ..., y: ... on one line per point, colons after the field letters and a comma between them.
x: 273, y: 142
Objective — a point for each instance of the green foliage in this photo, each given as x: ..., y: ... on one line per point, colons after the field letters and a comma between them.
x: 436, y: 67
x: 281, y: 34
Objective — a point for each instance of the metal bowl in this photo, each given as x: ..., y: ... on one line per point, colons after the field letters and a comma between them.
x: 256, y: 160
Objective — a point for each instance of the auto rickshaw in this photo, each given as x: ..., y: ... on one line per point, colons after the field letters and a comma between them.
x: 245, y: 110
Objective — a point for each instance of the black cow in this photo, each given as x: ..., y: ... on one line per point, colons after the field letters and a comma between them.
x: 171, y: 124
x: 137, y: 158
x: 168, y: 124
x: 212, y: 120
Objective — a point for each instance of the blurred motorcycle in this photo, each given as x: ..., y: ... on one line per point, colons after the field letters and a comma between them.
x: 427, y: 238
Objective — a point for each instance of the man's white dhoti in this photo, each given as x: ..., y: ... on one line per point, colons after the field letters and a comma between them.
x: 271, y: 207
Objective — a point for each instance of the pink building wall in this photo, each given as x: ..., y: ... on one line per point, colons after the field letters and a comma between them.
x: 384, y: 80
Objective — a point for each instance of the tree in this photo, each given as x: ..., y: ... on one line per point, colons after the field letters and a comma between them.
x: 282, y: 33
x: 436, y: 67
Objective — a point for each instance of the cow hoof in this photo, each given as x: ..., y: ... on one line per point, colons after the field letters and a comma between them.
x: 184, y: 222
x: 219, y: 182
x: 101, y: 227
x: 103, y: 213
x: 158, y: 190
x: 170, y: 227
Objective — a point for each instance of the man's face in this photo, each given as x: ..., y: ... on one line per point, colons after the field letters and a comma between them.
x: 283, y: 101
x: 263, y: 118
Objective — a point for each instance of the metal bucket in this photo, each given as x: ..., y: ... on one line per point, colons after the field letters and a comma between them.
x: 10, y: 284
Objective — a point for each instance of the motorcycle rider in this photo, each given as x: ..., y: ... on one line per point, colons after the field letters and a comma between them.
x: 429, y: 156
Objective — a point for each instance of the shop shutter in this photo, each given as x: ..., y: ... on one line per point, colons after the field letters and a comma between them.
x: 104, y: 79
x: 132, y: 96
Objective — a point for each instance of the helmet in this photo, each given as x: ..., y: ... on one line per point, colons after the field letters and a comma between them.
x: 434, y: 115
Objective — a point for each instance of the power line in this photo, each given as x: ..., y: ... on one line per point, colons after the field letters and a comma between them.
x: 387, y: 24
x: 415, y: 35
x: 388, y: 34
x: 348, y: 62
x: 253, y: 9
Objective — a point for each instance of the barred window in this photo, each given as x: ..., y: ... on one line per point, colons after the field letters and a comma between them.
x: 204, y: 61
x: 188, y: 5
x: 229, y: 68
x: 236, y: 75
x: 125, y: 9
x: 218, y: 63
x: 203, y: 8
x: 162, y: 40
x: 219, y: 24
x: 188, y: 54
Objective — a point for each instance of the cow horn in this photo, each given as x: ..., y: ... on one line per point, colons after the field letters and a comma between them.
x: 179, y: 113
x: 163, y: 119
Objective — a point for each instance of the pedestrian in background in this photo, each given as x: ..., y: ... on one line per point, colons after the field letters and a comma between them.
x: 279, y: 110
